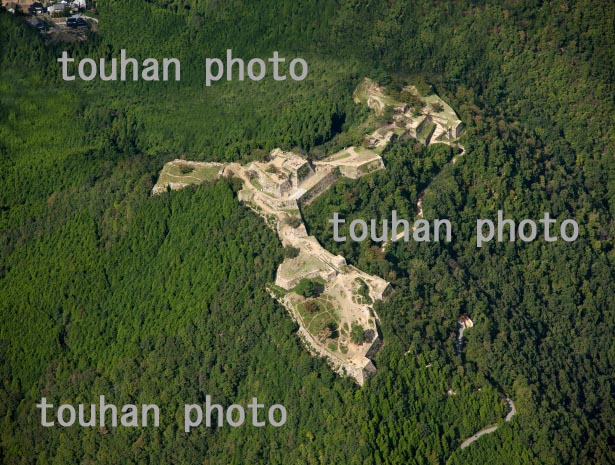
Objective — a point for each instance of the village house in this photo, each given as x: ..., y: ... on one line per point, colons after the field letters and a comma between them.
x: 15, y: 6
x: 465, y: 322
x: 37, y: 8
x: 57, y: 8
x: 11, y: 7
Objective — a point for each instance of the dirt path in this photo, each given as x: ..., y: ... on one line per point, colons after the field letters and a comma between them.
x: 513, y: 410
x: 419, y: 200
x: 460, y: 154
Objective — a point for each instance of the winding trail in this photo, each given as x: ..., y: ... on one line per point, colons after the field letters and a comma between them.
x: 513, y: 410
x: 419, y: 208
x: 419, y: 200
x: 460, y: 154
x: 490, y: 429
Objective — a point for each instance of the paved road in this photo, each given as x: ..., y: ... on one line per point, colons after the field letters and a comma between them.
x: 513, y: 410
x: 475, y: 436
x: 492, y: 428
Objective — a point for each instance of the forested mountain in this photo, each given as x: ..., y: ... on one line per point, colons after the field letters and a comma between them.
x: 107, y: 290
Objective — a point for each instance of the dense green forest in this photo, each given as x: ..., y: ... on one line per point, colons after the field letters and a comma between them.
x: 105, y: 289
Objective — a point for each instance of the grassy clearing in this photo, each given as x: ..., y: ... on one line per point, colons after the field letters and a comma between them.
x: 399, y: 131
x: 301, y: 266
x: 256, y: 184
x: 319, y: 322
x: 362, y: 91
x: 447, y: 112
x: 366, y: 156
x: 339, y: 156
x: 326, y: 314
x: 188, y: 173
x: 426, y: 131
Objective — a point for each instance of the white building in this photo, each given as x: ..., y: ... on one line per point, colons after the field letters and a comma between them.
x: 57, y: 8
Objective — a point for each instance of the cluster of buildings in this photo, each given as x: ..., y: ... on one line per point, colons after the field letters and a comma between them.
x: 36, y: 8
